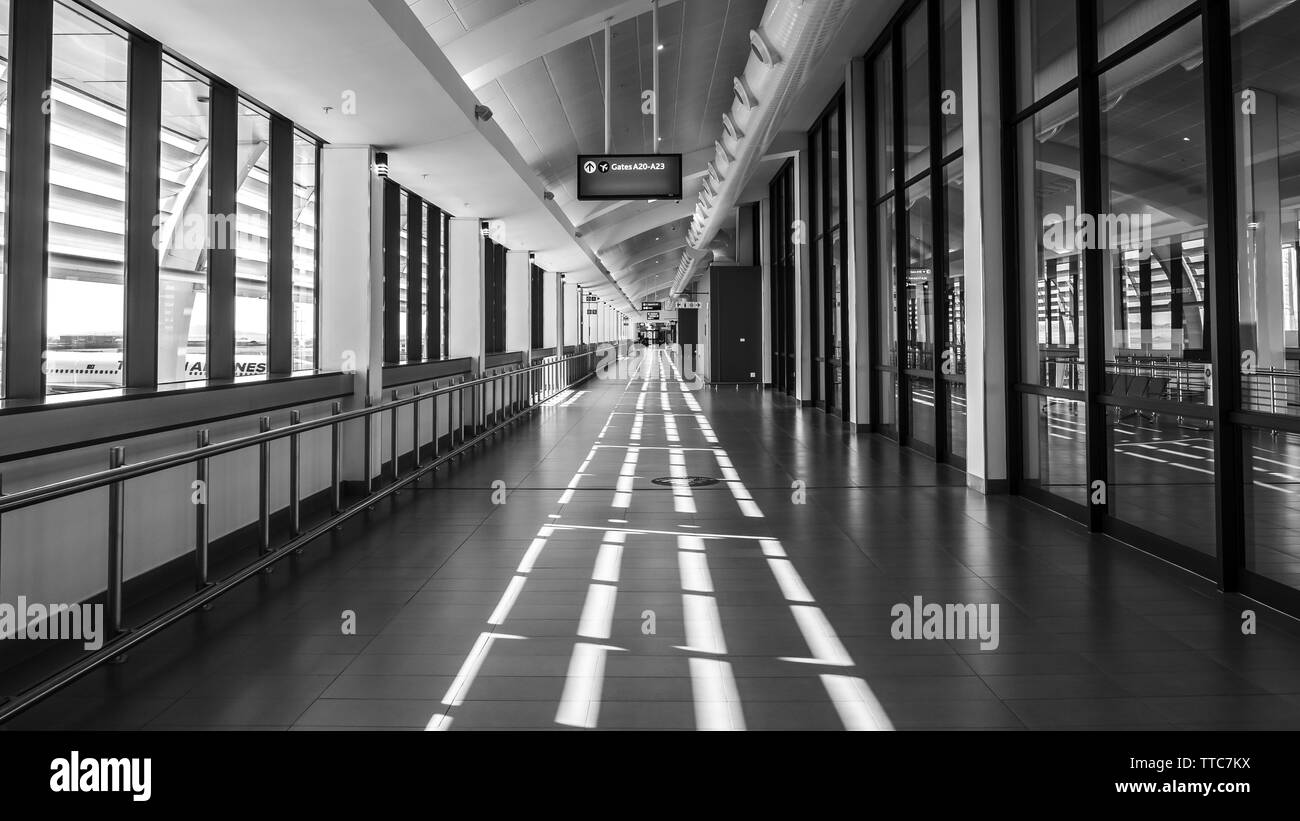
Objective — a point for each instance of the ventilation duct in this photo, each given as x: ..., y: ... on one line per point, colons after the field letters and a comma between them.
x: 791, y: 37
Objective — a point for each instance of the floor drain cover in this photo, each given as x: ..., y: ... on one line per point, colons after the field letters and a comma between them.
x: 685, y: 481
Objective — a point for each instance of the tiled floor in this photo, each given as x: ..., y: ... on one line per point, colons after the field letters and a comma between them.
x: 593, y: 598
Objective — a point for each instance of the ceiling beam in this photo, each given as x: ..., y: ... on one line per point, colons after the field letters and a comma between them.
x: 533, y: 30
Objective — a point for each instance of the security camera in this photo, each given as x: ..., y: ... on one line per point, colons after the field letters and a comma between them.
x: 548, y: 195
x: 482, y: 112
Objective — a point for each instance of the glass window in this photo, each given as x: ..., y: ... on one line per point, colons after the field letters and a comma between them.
x: 442, y: 276
x: 950, y: 99
x: 4, y: 168
x: 306, y: 157
x: 1267, y: 106
x: 1272, y: 484
x: 402, y: 262
x: 885, y: 278
x: 882, y: 70
x: 1051, y: 288
x: 917, y: 100
x: 1045, y: 48
x: 1123, y: 21
x: 85, y: 310
x: 953, y: 366
x: 919, y: 298
x: 252, y: 242
x: 183, y: 225
x: 1053, y: 454
x: 835, y: 166
x: 424, y: 281
x: 1154, y: 227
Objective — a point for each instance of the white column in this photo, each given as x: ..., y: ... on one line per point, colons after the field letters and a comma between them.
x: 986, y: 376
x: 466, y: 334
x: 857, y: 216
x: 550, y: 309
x: 519, y: 301
x: 803, y: 282
x: 572, y: 313
x: 351, y: 306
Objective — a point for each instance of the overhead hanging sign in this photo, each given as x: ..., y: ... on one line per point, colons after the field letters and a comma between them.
x: 629, y: 176
x: 652, y: 306
x: 652, y: 317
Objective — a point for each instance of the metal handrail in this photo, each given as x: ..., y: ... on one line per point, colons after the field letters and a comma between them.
x: 484, y: 424
x: 92, y: 481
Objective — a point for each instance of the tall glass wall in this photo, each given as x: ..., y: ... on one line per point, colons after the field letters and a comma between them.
x: 829, y: 264
x: 183, y: 224
x: 88, y: 279
x: 916, y: 275
x: 1266, y: 129
x: 86, y: 287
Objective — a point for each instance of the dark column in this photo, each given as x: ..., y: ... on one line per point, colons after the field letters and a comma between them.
x: 280, y: 284
x: 144, y: 113
x: 414, y: 266
x: 223, y: 165
x: 1094, y: 259
x: 30, y: 44
x: 392, y: 272
x: 1222, y: 310
x: 433, y: 343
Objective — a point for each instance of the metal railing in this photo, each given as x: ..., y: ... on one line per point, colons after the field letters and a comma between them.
x: 476, y: 408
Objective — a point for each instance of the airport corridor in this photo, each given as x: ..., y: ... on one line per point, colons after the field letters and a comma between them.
x: 573, y: 574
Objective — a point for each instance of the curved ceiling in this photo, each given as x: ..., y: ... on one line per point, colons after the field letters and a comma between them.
x: 539, y: 66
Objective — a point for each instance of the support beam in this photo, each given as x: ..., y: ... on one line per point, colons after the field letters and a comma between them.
x: 144, y: 112
x: 29, y: 197
x: 280, y: 273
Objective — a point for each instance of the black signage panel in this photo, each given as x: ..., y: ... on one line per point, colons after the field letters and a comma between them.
x: 629, y: 176
x: 652, y: 306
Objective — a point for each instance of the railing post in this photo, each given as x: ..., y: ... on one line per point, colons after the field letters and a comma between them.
x: 368, y: 421
x: 264, y: 491
x: 392, y: 438
x: 415, y: 429
x: 116, y: 543
x: 201, y: 539
x: 295, y: 503
x: 336, y: 461
x: 434, y: 414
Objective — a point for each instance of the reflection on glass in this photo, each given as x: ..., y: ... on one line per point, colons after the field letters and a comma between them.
x: 1052, y: 301
x: 882, y: 72
x: 424, y: 282
x: 953, y: 364
x: 1053, y: 446
x: 916, y: 94
x: 1272, y: 492
x: 252, y: 243
x: 1268, y: 203
x: 1162, y: 475
x: 1045, y: 48
x: 305, y: 160
x: 442, y: 277
x: 402, y: 262
x: 1154, y: 228
x: 85, y: 307
x: 918, y: 283
x: 919, y: 295
x: 885, y: 279
x: 950, y: 83
x: 183, y: 225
